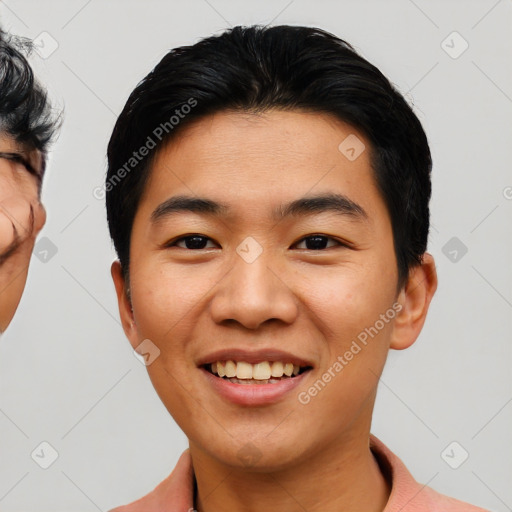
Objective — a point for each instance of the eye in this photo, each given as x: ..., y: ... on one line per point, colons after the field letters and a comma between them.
x: 312, y: 242
x: 193, y: 242
x: 318, y: 242
x: 18, y: 159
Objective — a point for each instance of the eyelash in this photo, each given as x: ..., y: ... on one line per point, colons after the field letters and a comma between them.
x: 318, y: 235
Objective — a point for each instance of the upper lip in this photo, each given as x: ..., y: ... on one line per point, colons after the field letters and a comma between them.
x: 253, y: 356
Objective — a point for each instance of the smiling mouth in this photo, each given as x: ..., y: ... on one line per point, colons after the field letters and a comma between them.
x: 266, y: 372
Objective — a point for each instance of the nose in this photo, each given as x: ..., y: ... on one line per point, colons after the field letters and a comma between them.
x: 252, y: 294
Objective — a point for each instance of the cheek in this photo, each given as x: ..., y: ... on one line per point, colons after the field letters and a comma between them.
x: 356, y: 344
x: 162, y: 305
x: 348, y: 299
x: 353, y: 310
x: 160, y: 296
x: 165, y: 299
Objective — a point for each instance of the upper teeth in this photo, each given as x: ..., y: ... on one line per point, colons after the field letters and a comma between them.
x: 258, y: 371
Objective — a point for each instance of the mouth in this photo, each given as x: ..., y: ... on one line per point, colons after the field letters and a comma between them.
x: 264, y: 372
x: 254, y: 377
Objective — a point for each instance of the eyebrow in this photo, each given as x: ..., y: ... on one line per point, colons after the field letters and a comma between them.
x: 304, y: 206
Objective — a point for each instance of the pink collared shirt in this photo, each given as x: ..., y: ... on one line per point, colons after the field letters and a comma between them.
x: 176, y: 492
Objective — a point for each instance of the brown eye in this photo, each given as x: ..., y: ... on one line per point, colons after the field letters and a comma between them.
x: 318, y: 242
x: 193, y: 242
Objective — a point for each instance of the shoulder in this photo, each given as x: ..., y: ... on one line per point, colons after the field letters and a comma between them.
x: 439, y: 503
x: 407, y: 495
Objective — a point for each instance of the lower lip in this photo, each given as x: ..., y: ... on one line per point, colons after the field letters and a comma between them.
x: 253, y: 394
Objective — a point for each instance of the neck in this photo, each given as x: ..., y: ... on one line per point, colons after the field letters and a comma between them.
x: 342, y: 477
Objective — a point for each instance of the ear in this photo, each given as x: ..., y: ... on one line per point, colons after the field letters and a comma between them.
x: 415, y: 299
x: 125, y: 307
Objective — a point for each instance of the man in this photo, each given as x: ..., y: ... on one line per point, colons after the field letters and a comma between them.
x: 268, y: 197
x: 26, y: 128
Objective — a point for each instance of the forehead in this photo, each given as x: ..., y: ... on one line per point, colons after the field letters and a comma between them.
x: 255, y: 160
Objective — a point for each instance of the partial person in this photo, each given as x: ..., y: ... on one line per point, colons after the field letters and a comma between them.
x: 27, y: 126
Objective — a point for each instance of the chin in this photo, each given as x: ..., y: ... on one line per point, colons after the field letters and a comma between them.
x: 257, y: 455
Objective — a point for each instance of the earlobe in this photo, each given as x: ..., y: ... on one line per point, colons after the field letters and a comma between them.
x: 125, y: 307
x: 415, y: 300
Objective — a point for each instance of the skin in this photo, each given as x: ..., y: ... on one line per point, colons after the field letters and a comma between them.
x: 22, y: 216
x: 312, y: 303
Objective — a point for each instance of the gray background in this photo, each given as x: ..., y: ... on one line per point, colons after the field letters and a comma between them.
x: 67, y: 373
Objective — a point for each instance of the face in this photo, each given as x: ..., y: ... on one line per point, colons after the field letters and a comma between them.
x: 260, y: 247
x: 21, y: 218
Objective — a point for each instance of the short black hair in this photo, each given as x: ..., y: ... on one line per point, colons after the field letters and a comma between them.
x: 257, y: 68
x: 26, y: 114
